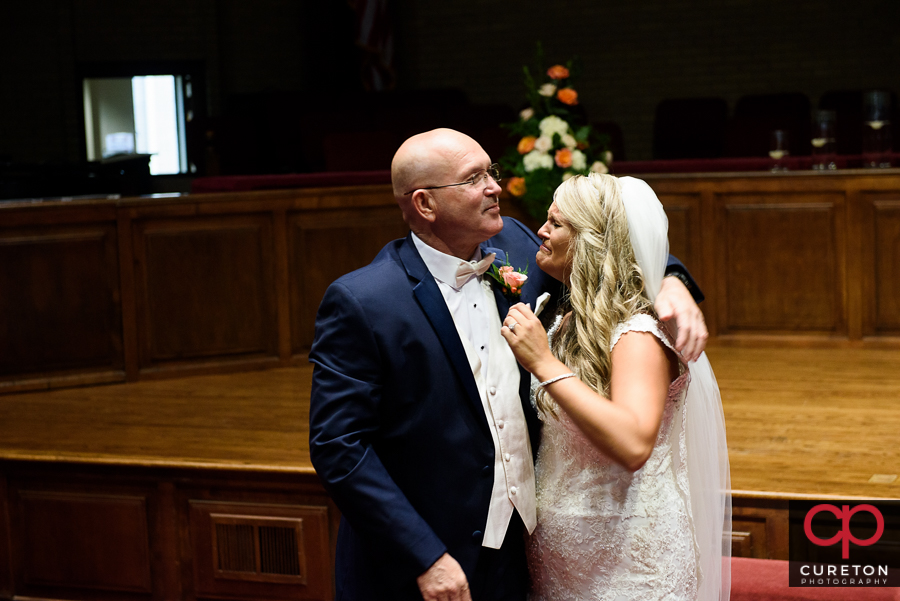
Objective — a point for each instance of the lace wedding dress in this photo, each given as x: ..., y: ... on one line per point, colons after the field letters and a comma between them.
x: 603, y: 532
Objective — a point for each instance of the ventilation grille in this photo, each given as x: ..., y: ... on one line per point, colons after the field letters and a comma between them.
x: 257, y: 548
x: 235, y: 548
x: 278, y: 551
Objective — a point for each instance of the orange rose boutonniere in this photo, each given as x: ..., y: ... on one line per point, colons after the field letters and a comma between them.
x: 510, y: 280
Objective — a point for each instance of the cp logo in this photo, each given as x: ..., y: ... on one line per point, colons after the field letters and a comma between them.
x: 844, y: 514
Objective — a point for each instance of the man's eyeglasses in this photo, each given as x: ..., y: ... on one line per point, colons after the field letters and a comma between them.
x: 493, y: 172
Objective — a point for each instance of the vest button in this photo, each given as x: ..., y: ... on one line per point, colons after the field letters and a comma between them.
x: 513, y: 490
x: 476, y: 536
x: 493, y: 390
x: 507, y: 456
x: 500, y: 424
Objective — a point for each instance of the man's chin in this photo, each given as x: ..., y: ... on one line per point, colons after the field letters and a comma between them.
x: 497, y: 225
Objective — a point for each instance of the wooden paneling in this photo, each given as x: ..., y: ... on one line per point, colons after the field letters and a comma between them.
x: 121, y: 532
x: 59, y: 300
x: 206, y: 288
x: 83, y: 540
x: 683, y: 211
x: 326, y: 247
x: 231, y: 558
x: 778, y: 269
x: 886, y: 251
x: 761, y: 528
x: 158, y: 287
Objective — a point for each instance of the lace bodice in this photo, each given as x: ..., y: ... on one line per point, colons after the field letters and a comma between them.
x: 607, y: 533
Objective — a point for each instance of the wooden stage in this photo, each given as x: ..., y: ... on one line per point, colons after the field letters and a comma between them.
x: 820, y: 422
x: 196, y: 452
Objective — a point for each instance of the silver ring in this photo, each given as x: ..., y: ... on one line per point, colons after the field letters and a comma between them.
x: 512, y: 328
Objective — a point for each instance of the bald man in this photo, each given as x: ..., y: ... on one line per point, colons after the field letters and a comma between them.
x: 421, y: 427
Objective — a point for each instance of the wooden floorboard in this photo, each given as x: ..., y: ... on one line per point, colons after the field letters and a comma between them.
x: 250, y: 420
x: 817, y: 422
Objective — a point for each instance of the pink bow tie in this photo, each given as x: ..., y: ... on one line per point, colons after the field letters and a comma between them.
x: 467, y: 270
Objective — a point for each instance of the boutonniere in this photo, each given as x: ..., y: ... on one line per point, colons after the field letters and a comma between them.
x: 510, y: 280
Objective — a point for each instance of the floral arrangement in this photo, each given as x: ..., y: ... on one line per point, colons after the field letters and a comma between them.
x: 510, y: 279
x: 555, y: 140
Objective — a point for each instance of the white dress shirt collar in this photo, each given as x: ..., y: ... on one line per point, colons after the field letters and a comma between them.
x: 442, y: 266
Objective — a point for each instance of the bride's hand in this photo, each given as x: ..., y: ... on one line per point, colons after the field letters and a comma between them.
x: 526, y: 337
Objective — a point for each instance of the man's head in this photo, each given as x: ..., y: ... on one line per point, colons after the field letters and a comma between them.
x: 452, y: 219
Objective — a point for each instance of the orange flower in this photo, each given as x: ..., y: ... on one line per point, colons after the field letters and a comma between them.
x: 567, y: 96
x: 557, y: 72
x: 516, y: 186
x: 526, y: 144
x: 563, y: 158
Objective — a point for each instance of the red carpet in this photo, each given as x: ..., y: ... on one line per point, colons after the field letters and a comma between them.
x: 767, y: 580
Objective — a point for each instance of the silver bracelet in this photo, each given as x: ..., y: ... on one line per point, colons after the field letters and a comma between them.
x: 556, y: 379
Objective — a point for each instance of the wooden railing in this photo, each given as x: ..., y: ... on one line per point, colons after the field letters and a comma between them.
x: 112, y: 290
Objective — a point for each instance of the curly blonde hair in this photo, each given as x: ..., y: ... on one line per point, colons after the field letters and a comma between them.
x: 606, y: 284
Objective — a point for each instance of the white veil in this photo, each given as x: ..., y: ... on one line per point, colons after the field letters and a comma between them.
x: 709, y: 479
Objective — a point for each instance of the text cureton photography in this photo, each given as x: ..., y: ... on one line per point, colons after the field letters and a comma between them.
x: 838, y: 543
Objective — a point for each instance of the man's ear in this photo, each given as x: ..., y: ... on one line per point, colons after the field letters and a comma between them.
x: 424, y: 205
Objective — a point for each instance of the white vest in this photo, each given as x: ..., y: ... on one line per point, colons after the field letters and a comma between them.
x: 498, y: 387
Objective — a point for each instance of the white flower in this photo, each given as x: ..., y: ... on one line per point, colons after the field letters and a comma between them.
x: 553, y: 125
x: 569, y: 141
x: 543, y: 144
x: 579, y: 161
x: 606, y: 157
x: 548, y: 90
x: 567, y: 175
x: 537, y: 160
x: 526, y: 114
x: 599, y: 167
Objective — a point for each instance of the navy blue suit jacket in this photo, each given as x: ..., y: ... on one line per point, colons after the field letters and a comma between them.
x: 398, y: 434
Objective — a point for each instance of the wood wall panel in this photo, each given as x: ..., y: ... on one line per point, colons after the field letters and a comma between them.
x: 59, y: 299
x: 765, y: 524
x: 778, y: 269
x: 206, y: 288
x: 326, y: 246
x: 122, y: 532
x: 223, y: 281
x: 314, y: 578
x: 83, y: 540
x: 887, y: 266
x: 683, y: 212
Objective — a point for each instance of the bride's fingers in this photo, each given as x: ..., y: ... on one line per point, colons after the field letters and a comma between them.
x: 517, y: 315
x: 525, y: 310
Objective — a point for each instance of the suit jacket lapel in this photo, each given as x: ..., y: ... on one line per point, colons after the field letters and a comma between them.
x: 435, y: 307
x: 502, y: 304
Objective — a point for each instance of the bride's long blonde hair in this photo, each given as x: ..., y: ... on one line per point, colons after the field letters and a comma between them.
x: 606, y: 284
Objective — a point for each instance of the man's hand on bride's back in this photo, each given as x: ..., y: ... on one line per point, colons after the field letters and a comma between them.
x: 444, y: 581
x: 675, y: 301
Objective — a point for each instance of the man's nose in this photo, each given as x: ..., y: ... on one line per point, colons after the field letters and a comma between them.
x: 492, y: 188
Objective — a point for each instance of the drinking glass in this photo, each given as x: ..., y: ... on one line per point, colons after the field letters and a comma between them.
x: 824, y: 146
x: 877, y: 129
x: 779, y: 149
